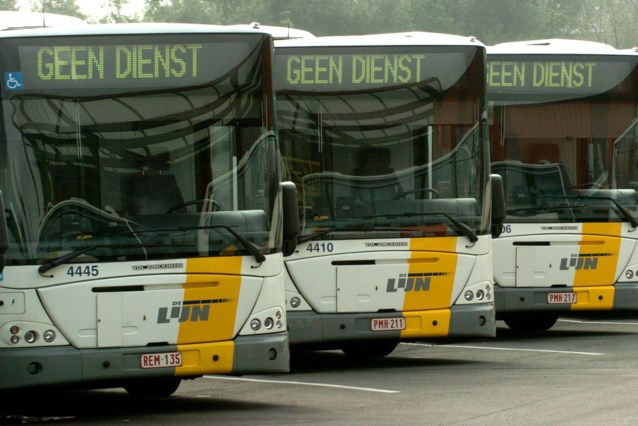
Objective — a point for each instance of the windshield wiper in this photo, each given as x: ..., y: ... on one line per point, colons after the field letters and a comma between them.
x: 352, y: 228
x: 50, y: 264
x: 545, y: 209
x: 460, y: 226
x: 624, y: 213
x: 250, y: 247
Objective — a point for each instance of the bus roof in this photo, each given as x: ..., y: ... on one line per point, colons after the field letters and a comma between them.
x: 558, y: 47
x: 12, y: 20
x: 278, y: 33
x: 121, y: 29
x: 387, y: 39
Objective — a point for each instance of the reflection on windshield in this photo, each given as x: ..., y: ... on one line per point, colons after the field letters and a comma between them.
x: 155, y: 175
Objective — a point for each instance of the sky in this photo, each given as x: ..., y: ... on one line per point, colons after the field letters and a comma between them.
x: 94, y: 8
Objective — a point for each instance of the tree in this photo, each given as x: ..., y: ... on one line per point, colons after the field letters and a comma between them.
x: 8, y: 5
x: 115, y: 13
x: 63, y: 7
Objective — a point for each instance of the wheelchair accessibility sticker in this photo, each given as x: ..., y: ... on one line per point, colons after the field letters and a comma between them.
x: 13, y: 81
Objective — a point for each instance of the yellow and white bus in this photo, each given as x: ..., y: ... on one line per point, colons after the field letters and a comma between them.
x: 142, y: 231
x: 385, y: 139
x: 563, y: 131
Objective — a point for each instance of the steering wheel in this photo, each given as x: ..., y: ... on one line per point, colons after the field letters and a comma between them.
x: 216, y: 205
x: 418, y: 190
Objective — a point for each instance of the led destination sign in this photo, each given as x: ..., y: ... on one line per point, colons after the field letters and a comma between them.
x: 127, y: 65
x: 331, y: 70
x: 540, y: 75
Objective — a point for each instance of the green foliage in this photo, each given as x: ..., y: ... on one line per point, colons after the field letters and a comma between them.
x: 8, y: 5
x: 491, y: 21
x: 63, y: 7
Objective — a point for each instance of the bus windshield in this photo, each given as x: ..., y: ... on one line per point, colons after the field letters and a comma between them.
x: 151, y: 149
x: 384, y: 139
x: 564, y: 136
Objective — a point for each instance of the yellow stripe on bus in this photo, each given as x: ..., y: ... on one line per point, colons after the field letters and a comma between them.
x: 434, y: 259
x: 594, y: 299
x: 434, y: 323
x: 598, y: 255
x: 211, y: 297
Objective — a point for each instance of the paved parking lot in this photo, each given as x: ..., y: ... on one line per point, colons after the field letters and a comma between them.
x: 583, y: 371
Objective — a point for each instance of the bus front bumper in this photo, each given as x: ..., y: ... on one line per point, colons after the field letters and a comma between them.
x: 311, y: 328
x: 112, y: 367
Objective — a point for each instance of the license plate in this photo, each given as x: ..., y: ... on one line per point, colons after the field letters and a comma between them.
x: 561, y: 298
x: 161, y: 360
x: 385, y: 324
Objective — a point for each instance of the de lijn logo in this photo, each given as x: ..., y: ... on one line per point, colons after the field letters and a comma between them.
x: 188, y: 311
x: 412, y: 282
x: 582, y: 261
x: 13, y: 81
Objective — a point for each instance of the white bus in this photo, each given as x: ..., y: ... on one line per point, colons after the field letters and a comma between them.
x: 385, y: 139
x: 143, y: 223
x: 563, y: 131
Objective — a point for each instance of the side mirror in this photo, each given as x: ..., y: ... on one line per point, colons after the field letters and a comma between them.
x: 291, y: 217
x: 4, y: 235
x: 498, y: 205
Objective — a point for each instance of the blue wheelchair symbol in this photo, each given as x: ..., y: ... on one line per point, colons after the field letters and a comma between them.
x: 13, y: 81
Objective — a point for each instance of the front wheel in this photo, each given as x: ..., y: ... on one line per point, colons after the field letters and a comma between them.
x: 154, y: 387
x: 530, y: 322
x: 370, y: 349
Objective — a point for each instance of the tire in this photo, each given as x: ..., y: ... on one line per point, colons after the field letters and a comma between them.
x: 530, y: 322
x: 369, y: 349
x: 152, y: 387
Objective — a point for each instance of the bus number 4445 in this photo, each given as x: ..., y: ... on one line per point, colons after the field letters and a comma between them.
x: 83, y: 271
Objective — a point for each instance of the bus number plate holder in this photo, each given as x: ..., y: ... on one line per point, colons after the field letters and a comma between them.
x: 561, y: 298
x: 161, y: 360
x: 387, y: 324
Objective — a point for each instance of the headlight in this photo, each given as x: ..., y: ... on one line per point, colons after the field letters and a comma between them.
x: 469, y: 295
x: 255, y: 324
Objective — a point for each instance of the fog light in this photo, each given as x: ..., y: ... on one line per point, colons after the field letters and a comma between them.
x: 14, y: 329
x: 295, y: 302
x: 482, y: 321
x: 480, y: 295
x: 30, y: 336
x: 268, y: 323
x: 255, y: 324
x: 49, y: 336
x: 14, y: 339
x: 469, y: 295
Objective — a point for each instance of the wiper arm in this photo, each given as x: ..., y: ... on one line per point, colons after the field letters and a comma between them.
x: 546, y: 209
x: 460, y: 226
x: 361, y: 228
x: 252, y: 249
x: 624, y: 214
x: 50, y: 264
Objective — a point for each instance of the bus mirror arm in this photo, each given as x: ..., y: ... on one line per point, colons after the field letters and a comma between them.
x: 290, y: 217
x: 498, y: 204
x: 4, y: 238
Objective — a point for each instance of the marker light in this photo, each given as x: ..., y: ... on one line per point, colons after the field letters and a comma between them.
x: 268, y: 323
x: 255, y: 324
x: 279, y: 324
x: 14, y: 339
x: 14, y: 329
x: 30, y: 336
x: 295, y: 302
x: 469, y: 295
x: 49, y: 336
x: 278, y: 315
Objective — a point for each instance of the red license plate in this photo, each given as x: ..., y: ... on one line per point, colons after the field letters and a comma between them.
x: 387, y: 324
x: 561, y: 298
x: 161, y: 360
